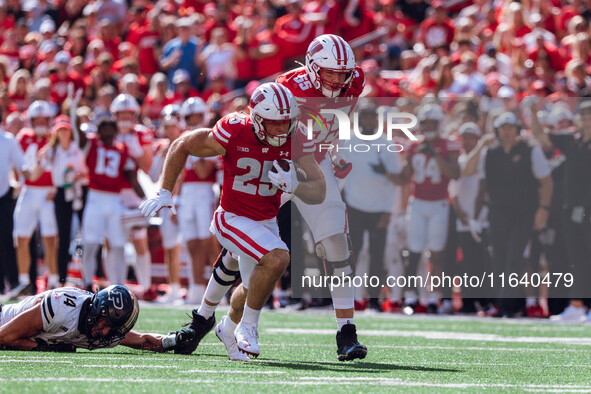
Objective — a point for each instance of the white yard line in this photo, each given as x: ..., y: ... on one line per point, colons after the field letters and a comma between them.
x: 462, y: 336
x: 310, y: 381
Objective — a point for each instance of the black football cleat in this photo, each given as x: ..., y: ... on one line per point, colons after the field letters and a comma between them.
x: 201, y: 326
x: 348, y: 348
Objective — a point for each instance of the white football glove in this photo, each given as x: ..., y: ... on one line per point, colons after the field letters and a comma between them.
x: 286, y: 181
x: 162, y: 200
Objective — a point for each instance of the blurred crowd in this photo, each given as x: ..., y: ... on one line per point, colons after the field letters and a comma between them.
x: 165, y: 52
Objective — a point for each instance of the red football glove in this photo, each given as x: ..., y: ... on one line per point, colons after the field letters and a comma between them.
x: 342, y: 168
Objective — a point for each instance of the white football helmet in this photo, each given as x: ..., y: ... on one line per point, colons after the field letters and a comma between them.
x: 272, y: 102
x: 125, y: 103
x: 173, y: 110
x: 40, y: 109
x: 558, y: 114
x: 431, y: 112
x: 192, y: 106
x: 331, y: 53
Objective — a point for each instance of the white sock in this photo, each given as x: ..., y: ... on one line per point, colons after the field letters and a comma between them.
x: 175, y: 288
x: 24, y: 279
x: 215, y: 291
x: 229, y: 325
x: 250, y: 316
x: 53, y: 280
x: 144, y: 270
x: 116, y: 258
x: 206, y: 310
x: 342, y: 321
x: 531, y: 301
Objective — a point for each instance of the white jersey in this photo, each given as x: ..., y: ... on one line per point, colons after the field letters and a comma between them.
x: 60, y: 311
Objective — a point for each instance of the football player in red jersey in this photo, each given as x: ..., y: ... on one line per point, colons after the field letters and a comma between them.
x: 330, y: 72
x: 245, y: 223
x: 110, y: 168
x: 138, y: 140
x: 35, y: 202
x: 430, y: 164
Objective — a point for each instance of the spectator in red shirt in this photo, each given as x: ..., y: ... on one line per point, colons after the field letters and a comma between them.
x: 94, y: 50
x: 139, y: 22
x: 546, y: 51
x: 517, y: 20
x: 324, y: 13
x: 220, y: 19
x: 108, y: 34
x: 356, y: 21
x: 146, y: 39
x: 61, y: 78
x: 437, y: 30
x: 19, y: 90
x: 264, y: 49
x: 294, y: 31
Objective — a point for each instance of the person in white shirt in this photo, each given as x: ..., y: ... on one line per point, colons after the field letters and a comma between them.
x: 11, y: 157
x: 369, y: 193
x: 68, y: 168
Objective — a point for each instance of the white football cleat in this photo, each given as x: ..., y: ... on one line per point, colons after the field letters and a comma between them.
x: 227, y: 338
x: 247, y: 339
x: 571, y: 314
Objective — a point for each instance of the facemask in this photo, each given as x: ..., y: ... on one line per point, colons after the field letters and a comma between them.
x: 40, y: 130
x: 125, y: 125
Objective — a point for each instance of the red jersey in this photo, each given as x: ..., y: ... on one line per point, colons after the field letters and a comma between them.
x: 106, y: 165
x: 146, y: 41
x: 434, y: 34
x: 190, y: 175
x: 59, y: 86
x: 429, y: 182
x: 308, y: 97
x: 31, y: 145
x: 247, y: 190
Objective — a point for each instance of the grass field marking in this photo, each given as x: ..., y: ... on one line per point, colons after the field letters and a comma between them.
x: 310, y: 381
x: 238, y: 372
x: 464, y: 336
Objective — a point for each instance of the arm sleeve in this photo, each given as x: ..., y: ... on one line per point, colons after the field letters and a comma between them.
x: 540, y: 166
x: 221, y: 132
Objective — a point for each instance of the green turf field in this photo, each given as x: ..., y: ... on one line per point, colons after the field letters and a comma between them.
x: 298, y: 352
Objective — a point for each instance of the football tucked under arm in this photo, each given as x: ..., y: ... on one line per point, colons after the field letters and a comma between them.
x: 284, y: 164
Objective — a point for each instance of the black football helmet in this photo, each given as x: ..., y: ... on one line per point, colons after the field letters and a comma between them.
x: 119, y: 306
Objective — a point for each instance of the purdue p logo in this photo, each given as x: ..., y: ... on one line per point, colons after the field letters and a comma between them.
x: 116, y: 297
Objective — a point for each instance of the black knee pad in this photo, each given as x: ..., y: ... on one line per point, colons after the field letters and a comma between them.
x: 219, y: 264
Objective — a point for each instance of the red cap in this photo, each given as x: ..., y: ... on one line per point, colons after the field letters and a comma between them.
x: 61, y: 122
